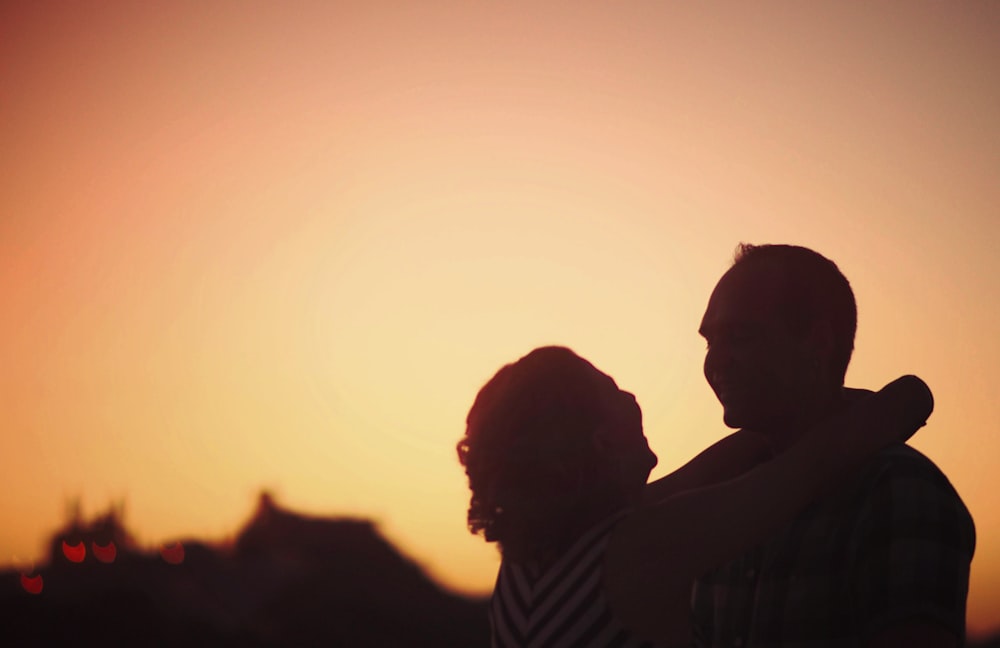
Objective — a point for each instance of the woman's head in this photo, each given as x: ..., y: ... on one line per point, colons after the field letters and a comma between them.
x: 551, y: 446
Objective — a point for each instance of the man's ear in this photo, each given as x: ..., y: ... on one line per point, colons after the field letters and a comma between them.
x: 820, y: 343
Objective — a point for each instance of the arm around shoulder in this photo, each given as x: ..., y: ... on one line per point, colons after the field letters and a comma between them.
x: 659, y: 548
x: 725, y: 459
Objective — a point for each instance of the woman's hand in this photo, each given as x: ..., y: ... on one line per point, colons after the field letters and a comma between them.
x: 908, y: 398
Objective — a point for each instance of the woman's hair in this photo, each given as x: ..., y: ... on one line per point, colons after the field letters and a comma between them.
x: 551, y: 446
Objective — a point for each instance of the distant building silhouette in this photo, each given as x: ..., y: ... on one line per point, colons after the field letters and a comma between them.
x: 286, y: 580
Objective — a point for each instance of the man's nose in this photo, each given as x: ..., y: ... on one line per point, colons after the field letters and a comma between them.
x: 718, y: 359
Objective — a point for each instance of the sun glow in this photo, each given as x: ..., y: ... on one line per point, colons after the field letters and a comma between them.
x: 261, y: 248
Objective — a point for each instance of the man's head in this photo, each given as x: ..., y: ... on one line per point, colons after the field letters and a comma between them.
x: 780, y: 329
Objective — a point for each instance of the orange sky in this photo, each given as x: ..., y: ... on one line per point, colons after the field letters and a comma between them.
x: 281, y: 245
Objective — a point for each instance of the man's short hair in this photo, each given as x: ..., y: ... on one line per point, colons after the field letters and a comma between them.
x: 813, y: 290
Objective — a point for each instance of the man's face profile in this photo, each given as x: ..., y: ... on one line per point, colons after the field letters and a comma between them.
x: 757, y: 368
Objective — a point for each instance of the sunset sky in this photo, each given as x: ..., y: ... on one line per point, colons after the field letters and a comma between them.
x: 281, y: 245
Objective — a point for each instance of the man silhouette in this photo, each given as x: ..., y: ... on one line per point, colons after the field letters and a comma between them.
x: 881, y: 560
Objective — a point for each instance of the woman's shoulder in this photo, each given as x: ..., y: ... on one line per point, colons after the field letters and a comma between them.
x: 564, y: 602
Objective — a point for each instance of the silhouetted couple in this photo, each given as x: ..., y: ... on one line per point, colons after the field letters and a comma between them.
x: 812, y: 525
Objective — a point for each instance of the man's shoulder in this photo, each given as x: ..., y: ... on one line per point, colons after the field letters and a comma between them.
x: 902, y: 461
x: 903, y: 473
x: 899, y: 455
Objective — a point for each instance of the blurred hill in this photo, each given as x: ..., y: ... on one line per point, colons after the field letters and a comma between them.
x: 286, y: 580
x: 991, y: 642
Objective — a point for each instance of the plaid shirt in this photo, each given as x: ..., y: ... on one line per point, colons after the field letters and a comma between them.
x: 892, y: 543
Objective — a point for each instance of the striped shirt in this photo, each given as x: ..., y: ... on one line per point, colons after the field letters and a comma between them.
x: 891, y: 544
x: 563, y: 606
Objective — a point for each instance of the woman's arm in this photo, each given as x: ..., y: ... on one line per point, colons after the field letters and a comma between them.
x: 658, y: 549
x: 725, y: 459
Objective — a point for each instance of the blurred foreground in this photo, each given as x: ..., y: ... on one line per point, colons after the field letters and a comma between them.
x: 286, y: 580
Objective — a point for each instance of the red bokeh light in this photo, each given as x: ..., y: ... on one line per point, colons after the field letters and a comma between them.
x: 32, y: 584
x: 104, y: 553
x: 173, y: 553
x: 74, y: 553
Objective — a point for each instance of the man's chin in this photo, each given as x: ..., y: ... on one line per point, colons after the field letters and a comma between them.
x: 732, y: 421
x: 735, y: 419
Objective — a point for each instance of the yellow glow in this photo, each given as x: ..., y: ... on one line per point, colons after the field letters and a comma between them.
x: 274, y: 247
